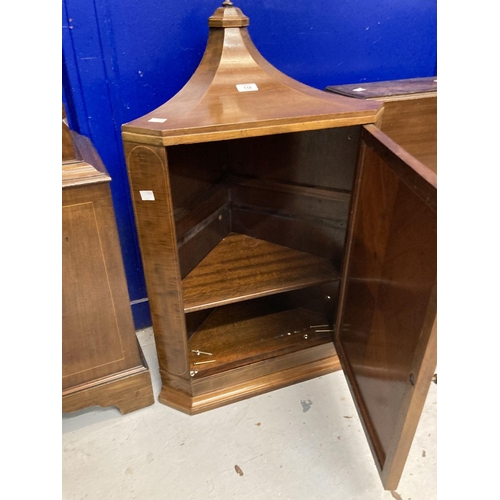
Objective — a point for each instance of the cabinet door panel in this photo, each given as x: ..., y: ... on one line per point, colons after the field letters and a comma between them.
x: 386, y: 327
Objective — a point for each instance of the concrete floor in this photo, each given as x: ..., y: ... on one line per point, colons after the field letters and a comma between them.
x: 299, y: 443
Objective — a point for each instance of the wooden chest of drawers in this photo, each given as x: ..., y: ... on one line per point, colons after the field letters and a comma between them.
x: 102, y: 362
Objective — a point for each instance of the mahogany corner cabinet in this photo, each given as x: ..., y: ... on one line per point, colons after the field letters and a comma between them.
x: 284, y: 236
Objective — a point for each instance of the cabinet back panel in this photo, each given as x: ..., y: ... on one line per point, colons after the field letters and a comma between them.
x: 195, y: 319
x: 329, y: 206
x: 203, y: 239
x: 194, y: 169
x: 322, y: 299
x: 321, y: 158
x: 317, y: 239
x: 197, y: 212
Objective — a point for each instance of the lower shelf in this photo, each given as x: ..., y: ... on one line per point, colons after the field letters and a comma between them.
x: 240, y: 334
x: 240, y: 350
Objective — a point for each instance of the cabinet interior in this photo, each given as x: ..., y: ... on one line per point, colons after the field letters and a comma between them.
x: 260, y: 227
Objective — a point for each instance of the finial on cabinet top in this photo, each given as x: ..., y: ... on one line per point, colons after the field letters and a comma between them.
x: 228, y: 16
x: 233, y: 94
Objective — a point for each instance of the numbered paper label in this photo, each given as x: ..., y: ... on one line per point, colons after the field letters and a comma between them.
x: 157, y: 120
x: 247, y: 87
x: 359, y: 89
x: 147, y: 195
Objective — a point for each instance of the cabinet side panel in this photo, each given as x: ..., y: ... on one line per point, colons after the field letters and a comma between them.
x: 150, y: 186
x: 98, y: 332
x: 412, y: 123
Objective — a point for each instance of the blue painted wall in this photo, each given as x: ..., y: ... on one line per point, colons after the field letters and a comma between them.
x: 123, y: 58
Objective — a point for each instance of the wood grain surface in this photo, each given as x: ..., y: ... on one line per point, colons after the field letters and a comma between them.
x: 241, y: 334
x: 388, y: 298
x: 102, y: 361
x: 410, y: 113
x: 251, y: 380
x: 272, y: 161
x: 242, y: 267
x: 148, y: 172
x: 128, y: 392
x: 211, y: 106
x: 390, y: 89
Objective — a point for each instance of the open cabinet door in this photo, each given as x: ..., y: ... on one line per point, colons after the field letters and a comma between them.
x: 386, y: 324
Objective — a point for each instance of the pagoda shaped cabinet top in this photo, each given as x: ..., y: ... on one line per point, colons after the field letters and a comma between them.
x: 235, y: 93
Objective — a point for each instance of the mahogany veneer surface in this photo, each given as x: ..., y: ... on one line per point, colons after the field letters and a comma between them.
x: 391, y: 89
x: 241, y: 185
x: 234, y: 339
x: 385, y: 330
x: 410, y: 112
x: 102, y: 363
x: 241, y: 267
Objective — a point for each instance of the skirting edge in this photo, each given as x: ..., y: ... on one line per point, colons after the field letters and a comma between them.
x: 192, y: 405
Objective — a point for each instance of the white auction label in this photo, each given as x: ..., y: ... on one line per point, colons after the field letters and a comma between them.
x: 359, y: 89
x: 157, y: 120
x: 247, y: 87
x: 147, y: 195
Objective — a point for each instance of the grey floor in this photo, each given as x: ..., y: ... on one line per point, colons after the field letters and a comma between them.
x: 303, y: 442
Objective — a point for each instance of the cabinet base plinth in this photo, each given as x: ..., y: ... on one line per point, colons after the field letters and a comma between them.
x: 232, y: 393
x: 129, y: 392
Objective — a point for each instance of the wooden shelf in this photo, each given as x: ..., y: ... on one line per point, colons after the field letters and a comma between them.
x: 241, y: 267
x: 245, y: 333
